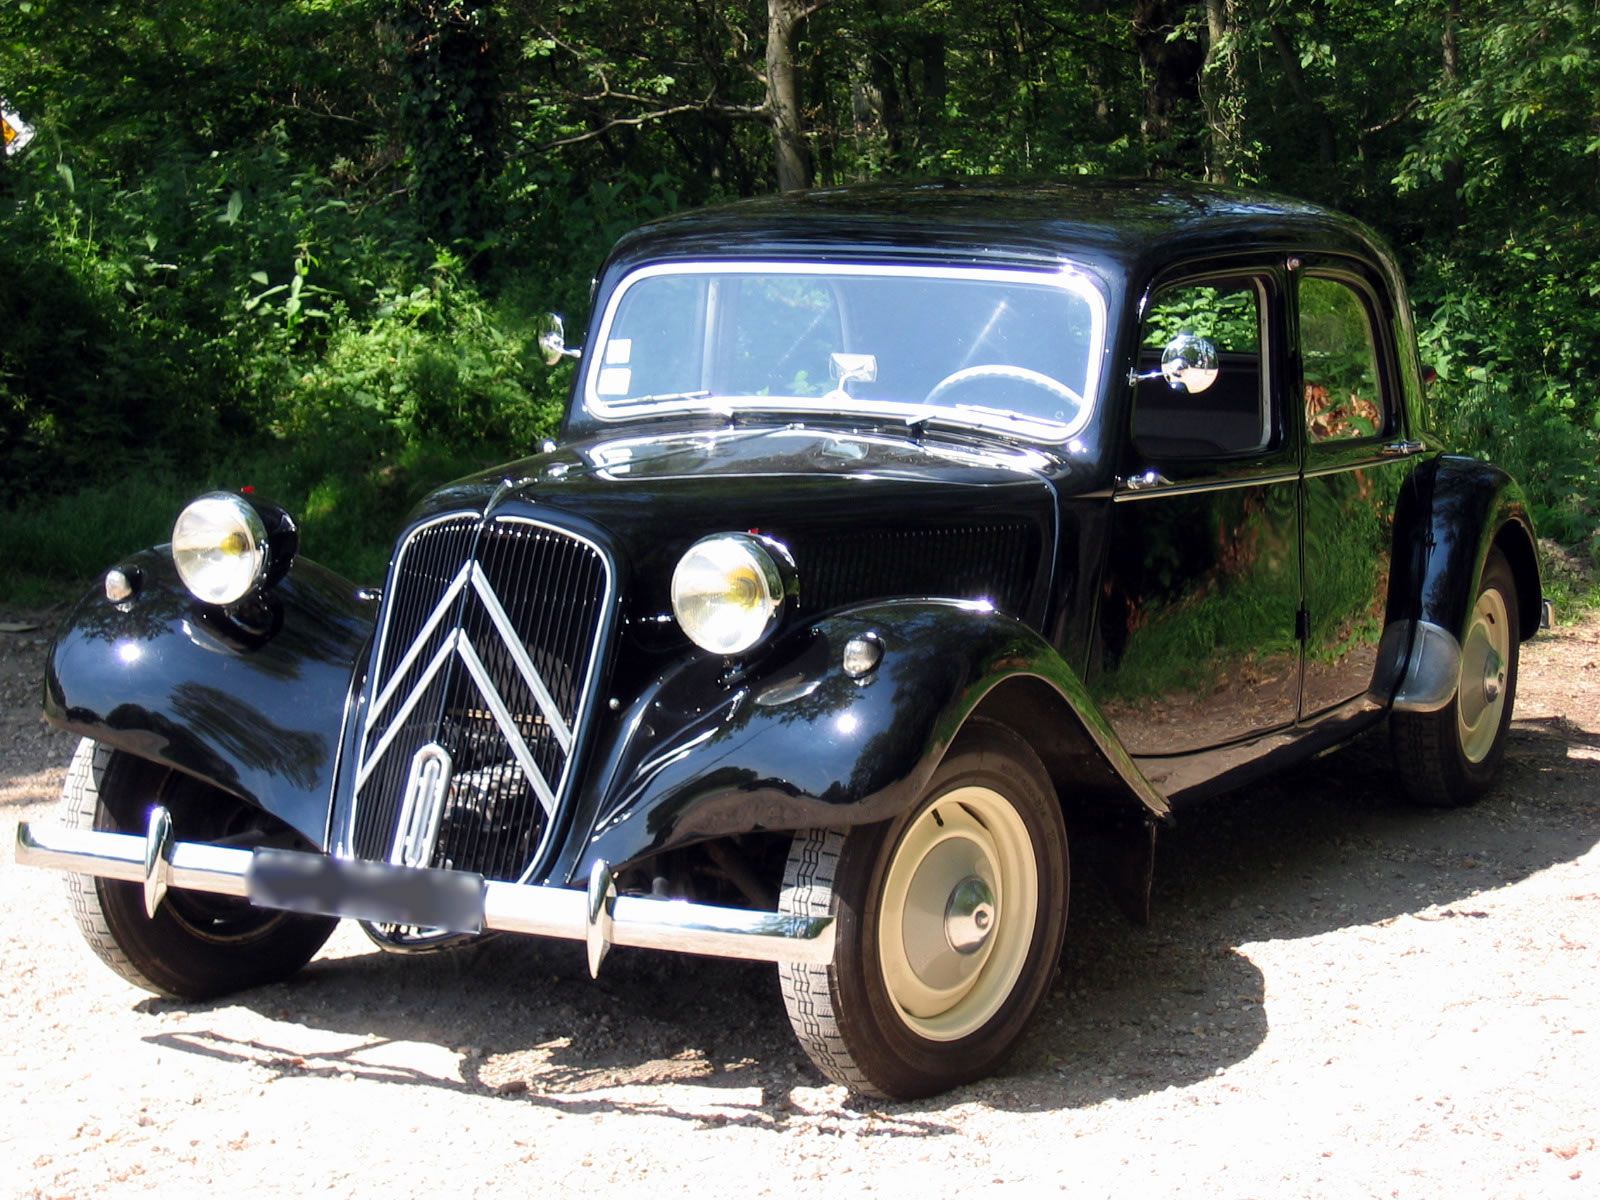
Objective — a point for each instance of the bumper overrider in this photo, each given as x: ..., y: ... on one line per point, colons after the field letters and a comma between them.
x: 459, y: 901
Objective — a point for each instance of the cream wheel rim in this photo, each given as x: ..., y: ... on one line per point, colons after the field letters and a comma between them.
x: 1485, y: 660
x: 957, y: 913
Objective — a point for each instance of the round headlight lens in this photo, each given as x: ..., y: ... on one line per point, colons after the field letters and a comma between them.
x: 727, y: 593
x: 219, y: 546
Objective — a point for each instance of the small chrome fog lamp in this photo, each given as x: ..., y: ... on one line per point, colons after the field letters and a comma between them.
x: 121, y: 584
x: 861, y: 655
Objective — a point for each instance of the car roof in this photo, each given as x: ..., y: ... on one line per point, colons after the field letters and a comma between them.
x: 1121, y: 225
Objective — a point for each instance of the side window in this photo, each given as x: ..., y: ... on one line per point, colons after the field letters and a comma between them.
x: 1339, y: 362
x: 1231, y: 417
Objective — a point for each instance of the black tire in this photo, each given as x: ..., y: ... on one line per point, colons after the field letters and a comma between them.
x: 1450, y: 757
x: 197, y: 946
x: 846, y: 1015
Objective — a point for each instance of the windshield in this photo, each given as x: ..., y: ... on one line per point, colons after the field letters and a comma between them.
x: 1015, y: 350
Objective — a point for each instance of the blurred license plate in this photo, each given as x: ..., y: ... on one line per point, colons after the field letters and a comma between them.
x: 367, y: 891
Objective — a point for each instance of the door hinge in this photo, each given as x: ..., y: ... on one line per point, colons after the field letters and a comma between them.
x: 1302, y: 625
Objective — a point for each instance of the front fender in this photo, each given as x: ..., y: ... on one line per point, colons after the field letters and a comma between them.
x: 798, y: 743
x: 258, y: 714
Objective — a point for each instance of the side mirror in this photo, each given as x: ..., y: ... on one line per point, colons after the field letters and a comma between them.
x: 553, y: 340
x: 1188, y: 364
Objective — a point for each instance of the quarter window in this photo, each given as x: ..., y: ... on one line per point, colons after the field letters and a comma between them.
x: 1339, y: 362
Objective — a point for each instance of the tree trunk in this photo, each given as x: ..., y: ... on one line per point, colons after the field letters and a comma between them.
x: 875, y: 111
x: 451, y: 113
x: 1222, y: 88
x: 1450, y: 55
x: 1289, y: 56
x: 784, y: 19
x: 1170, y: 69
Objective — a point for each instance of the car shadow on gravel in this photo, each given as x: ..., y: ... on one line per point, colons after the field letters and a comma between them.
x: 521, y: 1020
x: 1135, y: 1010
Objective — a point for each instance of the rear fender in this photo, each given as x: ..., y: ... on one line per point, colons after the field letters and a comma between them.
x: 1457, y: 510
x: 796, y: 743
x: 258, y: 713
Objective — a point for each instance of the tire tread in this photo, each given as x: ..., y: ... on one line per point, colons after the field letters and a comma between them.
x: 1426, y: 745
x: 158, y: 954
x: 808, y: 993
x: 80, y: 800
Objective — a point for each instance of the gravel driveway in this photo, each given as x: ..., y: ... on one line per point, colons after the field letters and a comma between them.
x: 1340, y: 996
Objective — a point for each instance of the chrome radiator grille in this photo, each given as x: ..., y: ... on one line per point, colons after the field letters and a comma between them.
x: 487, y: 652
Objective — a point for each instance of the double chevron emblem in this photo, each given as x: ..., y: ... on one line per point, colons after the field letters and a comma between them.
x: 457, y: 645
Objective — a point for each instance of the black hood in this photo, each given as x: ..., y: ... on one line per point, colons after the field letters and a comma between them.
x: 862, y: 512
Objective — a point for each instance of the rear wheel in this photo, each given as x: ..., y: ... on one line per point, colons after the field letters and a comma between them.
x: 1449, y: 757
x: 949, y: 923
x: 197, y: 945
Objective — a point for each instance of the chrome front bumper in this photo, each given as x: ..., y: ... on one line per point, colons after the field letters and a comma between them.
x: 597, y: 917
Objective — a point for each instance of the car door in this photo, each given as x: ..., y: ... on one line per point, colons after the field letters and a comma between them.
x: 1198, y: 642
x: 1355, y: 464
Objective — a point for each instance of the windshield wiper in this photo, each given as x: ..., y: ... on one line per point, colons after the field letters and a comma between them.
x: 658, y: 397
x: 983, y: 410
x: 954, y: 413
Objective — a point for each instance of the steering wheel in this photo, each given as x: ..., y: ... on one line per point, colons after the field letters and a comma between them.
x: 1026, y: 375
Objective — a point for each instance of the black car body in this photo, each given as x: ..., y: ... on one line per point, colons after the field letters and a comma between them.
x: 1005, y: 564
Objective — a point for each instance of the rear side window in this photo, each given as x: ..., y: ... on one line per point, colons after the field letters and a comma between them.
x: 1339, y: 362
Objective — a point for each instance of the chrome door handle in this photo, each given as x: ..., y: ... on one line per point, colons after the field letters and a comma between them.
x: 1146, y: 480
x: 1403, y: 448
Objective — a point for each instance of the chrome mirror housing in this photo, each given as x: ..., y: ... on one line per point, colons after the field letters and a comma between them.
x: 553, y: 340
x: 1188, y: 363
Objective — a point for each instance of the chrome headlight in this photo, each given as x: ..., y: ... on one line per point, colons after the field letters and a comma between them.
x: 219, y: 546
x: 728, y: 592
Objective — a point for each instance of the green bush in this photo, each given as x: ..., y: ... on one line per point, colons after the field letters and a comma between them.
x: 349, y: 505
x: 1513, y: 386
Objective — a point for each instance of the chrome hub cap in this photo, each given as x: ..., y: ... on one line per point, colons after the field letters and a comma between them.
x: 1485, y: 657
x: 969, y: 915
x: 1494, y: 678
x: 957, y: 913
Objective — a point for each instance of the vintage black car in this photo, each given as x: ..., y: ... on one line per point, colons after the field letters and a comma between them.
x: 896, y: 540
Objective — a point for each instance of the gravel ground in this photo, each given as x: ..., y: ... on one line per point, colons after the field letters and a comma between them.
x: 1340, y: 996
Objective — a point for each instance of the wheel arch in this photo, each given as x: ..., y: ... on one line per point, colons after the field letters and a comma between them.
x: 1515, y: 541
x: 1113, y: 834
x: 256, y: 713
x: 1083, y: 775
x: 1455, y: 512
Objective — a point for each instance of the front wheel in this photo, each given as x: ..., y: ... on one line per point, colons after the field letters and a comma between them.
x: 1449, y: 757
x: 197, y: 945
x: 949, y: 920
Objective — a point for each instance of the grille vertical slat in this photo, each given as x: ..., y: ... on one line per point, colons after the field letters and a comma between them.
x: 428, y: 562
x: 993, y: 561
x: 555, y: 589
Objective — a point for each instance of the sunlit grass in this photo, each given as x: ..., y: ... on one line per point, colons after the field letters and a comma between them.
x: 348, y: 509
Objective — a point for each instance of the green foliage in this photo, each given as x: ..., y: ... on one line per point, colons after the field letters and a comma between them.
x: 260, y: 228
x: 348, y: 504
x: 1512, y: 388
x: 1230, y: 319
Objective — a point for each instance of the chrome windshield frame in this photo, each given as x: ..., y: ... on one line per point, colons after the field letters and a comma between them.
x: 1066, y: 276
